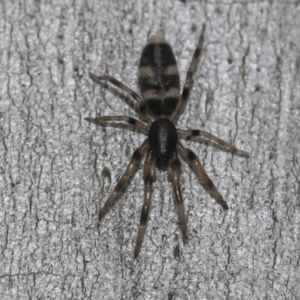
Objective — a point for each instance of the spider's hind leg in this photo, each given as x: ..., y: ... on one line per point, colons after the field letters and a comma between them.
x: 191, y: 157
x: 189, y: 81
x: 130, y: 170
x: 142, y: 106
x: 134, y: 122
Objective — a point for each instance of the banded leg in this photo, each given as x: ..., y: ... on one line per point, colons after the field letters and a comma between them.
x: 189, y: 81
x: 175, y: 171
x: 191, y: 132
x: 191, y: 157
x: 148, y: 182
x: 131, y: 168
x: 134, y: 122
x: 132, y: 93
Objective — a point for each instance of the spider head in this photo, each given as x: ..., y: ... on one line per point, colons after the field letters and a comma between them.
x: 162, y: 160
x: 163, y: 139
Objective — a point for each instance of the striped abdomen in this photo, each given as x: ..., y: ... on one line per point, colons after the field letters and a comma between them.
x: 159, y: 77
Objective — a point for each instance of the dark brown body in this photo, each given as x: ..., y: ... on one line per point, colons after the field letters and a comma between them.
x: 159, y: 78
x: 161, y: 104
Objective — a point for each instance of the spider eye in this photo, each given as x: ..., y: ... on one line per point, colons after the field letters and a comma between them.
x: 162, y: 160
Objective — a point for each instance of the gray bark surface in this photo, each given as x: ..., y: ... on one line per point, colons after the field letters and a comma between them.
x: 57, y: 170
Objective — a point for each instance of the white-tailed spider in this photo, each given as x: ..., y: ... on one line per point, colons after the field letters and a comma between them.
x: 160, y: 104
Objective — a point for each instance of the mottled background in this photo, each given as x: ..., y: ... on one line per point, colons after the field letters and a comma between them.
x: 57, y: 169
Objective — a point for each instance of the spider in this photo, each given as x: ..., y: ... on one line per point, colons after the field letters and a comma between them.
x: 160, y: 104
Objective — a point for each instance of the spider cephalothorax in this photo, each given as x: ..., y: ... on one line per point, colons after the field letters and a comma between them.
x: 161, y: 104
x: 163, y: 139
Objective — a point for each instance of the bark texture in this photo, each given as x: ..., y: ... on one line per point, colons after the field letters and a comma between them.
x: 57, y: 170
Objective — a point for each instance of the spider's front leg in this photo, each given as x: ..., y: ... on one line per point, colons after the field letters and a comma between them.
x: 190, y: 156
x: 174, y: 173
x: 130, y: 170
x: 192, y: 132
x: 149, y: 178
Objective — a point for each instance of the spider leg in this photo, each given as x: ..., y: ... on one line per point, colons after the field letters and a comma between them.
x: 191, y: 157
x: 134, y: 122
x: 191, y: 132
x: 148, y: 190
x: 131, y: 168
x: 189, y: 81
x: 132, y: 93
x: 175, y: 171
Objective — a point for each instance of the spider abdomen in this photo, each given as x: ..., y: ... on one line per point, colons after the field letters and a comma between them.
x: 159, y: 77
x: 163, y: 139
